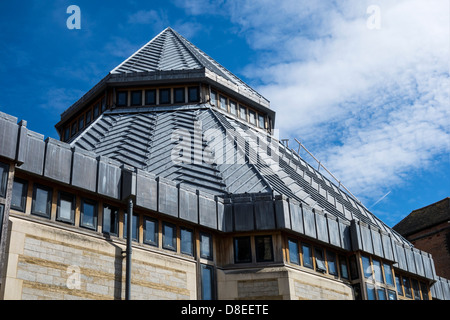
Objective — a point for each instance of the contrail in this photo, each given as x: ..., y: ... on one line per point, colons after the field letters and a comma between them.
x: 379, y: 200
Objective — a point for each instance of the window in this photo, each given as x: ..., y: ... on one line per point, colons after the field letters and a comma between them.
x: 343, y: 267
x: 164, y: 96
x: 377, y: 271
x: 179, y: 95
x: 398, y: 283
x: 42, y: 201
x: 1, y: 220
x: 88, y: 117
x: 388, y: 274
x: 392, y: 295
x: 74, y: 128
x: 110, y: 220
x: 331, y: 260
x: 424, y: 289
x: 151, y: 231
x: 357, y: 291
x: 96, y: 112
x: 66, y: 208
x: 136, y: 98
x: 206, y: 246
x: 353, y: 267
x: 122, y: 98
x: 381, y: 294
x: 134, y: 226
x: 307, y: 256
x: 293, y: 252
x: 81, y: 124
x: 370, y: 290
x: 367, y: 268
x: 407, y: 287
x: 213, y: 98
x: 186, y: 241
x: 233, y: 108
x: 223, y: 103
x: 416, y: 289
x: 242, y: 250
x: 19, y: 195
x: 193, y: 94
x: 169, y: 234
x: 320, y: 260
x: 88, y: 218
x: 103, y: 104
x: 252, y: 117
x: 207, y: 282
x: 261, y: 121
x: 4, y: 173
x: 66, y: 133
x: 242, y: 113
x: 150, y: 97
x: 264, y: 248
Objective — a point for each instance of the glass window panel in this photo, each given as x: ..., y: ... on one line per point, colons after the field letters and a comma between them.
x: 370, y: 289
x: 81, y: 123
x: 377, y: 271
x: 110, y: 220
x: 353, y: 267
x: 264, y: 249
x: 307, y: 256
x: 150, y: 97
x: 136, y: 98
x: 66, y: 134
x: 388, y: 274
x: 169, y: 237
x: 424, y: 289
x: 103, y: 104
x: 343, y: 266
x: 151, y: 231
x: 381, y: 294
x: 179, y: 95
x: 223, y: 103
x: 213, y: 98
x: 96, y: 112
x: 243, y: 113
x: 89, y: 214
x: 88, y: 117
x: 293, y: 252
x: 407, y: 287
x: 416, y: 289
x: 357, y: 291
x: 134, y: 227
x: 367, y: 268
x: 66, y: 207
x: 19, y: 195
x: 392, y: 295
x: 4, y: 172
x: 261, y: 122
x: 206, y: 246
x: 233, y: 108
x: 164, y: 96
x: 331, y: 260
x: 398, y: 283
x: 242, y: 250
x: 193, y: 94
x: 187, y: 243
x: 252, y: 117
x: 122, y: 99
x: 207, y: 282
x: 320, y: 260
x: 42, y: 201
x: 74, y: 128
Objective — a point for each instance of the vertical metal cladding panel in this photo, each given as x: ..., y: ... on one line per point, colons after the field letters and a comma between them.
x: 387, y: 246
x: 207, y: 206
x: 129, y: 184
x: 321, y: 226
x: 244, y: 219
x: 446, y: 289
x: 84, y: 169
x: 419, y: 262
x: 226, y: 222
x: 109, y: 178
x: 410, y: 260
x: 333, y: 230
x: 296, y: 216
x: 309, y: 221
x: 35, y: 153
x: 433, y: 290
x: 366, y: 238
x: 146, y: 190
x: 345, y: 234
x: 376, y: 241
x: 401, y: 256
x: 356, y: 235
x: 282, y: 213
x: 9, y: 131
x: 188, y: 205
x: 167, y: 197
x: 58, y: 161
x: 437, y: 286
x: 264, y: 213
x: 427, y: 260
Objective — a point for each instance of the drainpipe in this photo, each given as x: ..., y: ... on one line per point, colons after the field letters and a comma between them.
x: 129, y: 249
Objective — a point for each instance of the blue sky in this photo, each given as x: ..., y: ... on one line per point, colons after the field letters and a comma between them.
x: 363, y: 84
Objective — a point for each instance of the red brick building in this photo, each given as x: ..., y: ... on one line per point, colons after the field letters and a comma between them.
x: 428, y: 229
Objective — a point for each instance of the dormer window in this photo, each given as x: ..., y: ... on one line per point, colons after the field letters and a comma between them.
x: 242, y: 113
x: 136, y: 98
x: 193, y: 94
x: 233, y: 108
x: 252, y: 117
x: 223, y: 103
x: 261, y: 121
x: 122, y: 99
x: 213, y: 98
x: 179, y: 95
x: 150, y: 97
x: 164, y: 96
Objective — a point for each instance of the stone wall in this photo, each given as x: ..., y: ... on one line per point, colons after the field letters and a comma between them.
x: 48, y: 262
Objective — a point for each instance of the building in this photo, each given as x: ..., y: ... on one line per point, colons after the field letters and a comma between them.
x: 170, y: 183
x: 428, y: 229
